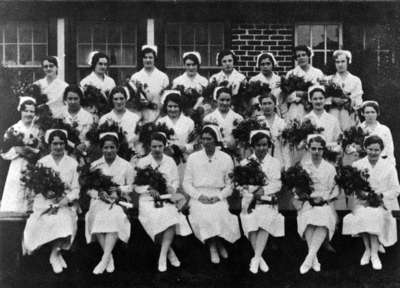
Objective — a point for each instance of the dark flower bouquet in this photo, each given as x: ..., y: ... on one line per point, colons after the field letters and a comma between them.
x: 13, y: 138
x: 44, y: 180
x: 297, y: 131
x: 208, y: 92
x: 352, y: 180
x: 242, y: 130
x: 197, y: 117
x: 148, y: 176
x: 189, y: 97
x: 352, y: 138
x: 44, y: 118
x: 256, y: 88
x: 334, y: 90
x: 35, y: 92
x: 94, y: 97
x: 139, y: 97
x: 297, y: 180
x: 19, y: 89
x: 250, y: 174
x: 94, y: 151
x: 294, y: 83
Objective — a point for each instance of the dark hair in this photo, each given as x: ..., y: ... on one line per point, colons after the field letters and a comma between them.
x: 317, y: 139
x: 372, y: 105
x: 148, y: 50
x: 109, y: 138
x: 258, y: 136
x: 192, y: 58
x: 223, y: 90
x: 264, y: 56
x: 96, y: 57
x: 50, y: 59
x: 302, y: 48
x: 27, y: 103
x: 74, y: 89
x: 59, y: 134
x: 115, y: 90
x: 211, y: 132
x: 265, y: 96
x: 224, y: 53
x: 174, y: 97
x: 158, y: 137
x: 374, y: 139
x: 315, y: 90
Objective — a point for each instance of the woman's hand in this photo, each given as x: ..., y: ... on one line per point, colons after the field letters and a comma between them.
x: 318, y: 199
x: 259, y: 193
x: 115, y: 193
x: 154, y: 193
x: 20, y: 150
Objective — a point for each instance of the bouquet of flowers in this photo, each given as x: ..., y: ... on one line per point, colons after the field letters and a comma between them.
x: 334, y: 90
x: 297, y: 131
x: 13, y: 138
x: 352, y: 138
x: 352, y: 180
x: 94, y: 97
x: 208, y: 92
x: 139, y: 97
x: 189, y: 97
x: 297, y: 179
x: 294, y: 83
x: 35, y: 92
x: 244, y: 176
x: 44, y: 118
x: 148, y: 176
x: 242, y: 130
x: 257, y: 88
x: 44, y: 180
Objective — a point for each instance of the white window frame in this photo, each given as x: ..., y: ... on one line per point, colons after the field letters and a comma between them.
x: 18, y: 43
x: 91, y: 43
x: 180, y: 44
x: 325, y: 24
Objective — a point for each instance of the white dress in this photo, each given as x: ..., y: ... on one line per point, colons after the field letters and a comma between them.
x: 156, y: 81
x: 210, y: 177
x: 226, y: 123
x: 156, y: 220
x: 376, y: 220
x: 197, y: 82
x: 127, y: 122
x: 105, y: 85
x: 101, y: 218
x: 42, y: 229
x: 82, y: 119
x: 383, y: 132
x: 13, y: 198
x: 330, y: 124
x: 324, y: 186
x: 266, y: 216
x: 276, y: 128
x: 350, y: 84
x: 54, y: 91
x: 296, y: 110
x: 234, y: 79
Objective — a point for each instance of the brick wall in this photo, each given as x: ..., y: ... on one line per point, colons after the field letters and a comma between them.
x: 248, y: 40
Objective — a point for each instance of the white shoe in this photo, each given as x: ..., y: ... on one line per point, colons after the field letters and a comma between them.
x: 305, y: 267
x: 376, y: 263
x: 222, y: 251
x: 365, y: 258
x: 214, y: 256
x: 62, y: 261
x: 254, y: 264
x: 55, y: 264
x: 110, y: 266
x: 316, y: 266
x: 100, y: 267
x: 263, y: 265
x: 162, y: 264
x: 173, y: 259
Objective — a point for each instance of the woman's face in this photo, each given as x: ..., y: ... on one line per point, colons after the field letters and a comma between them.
x: 119, y: 101
x: 110, y: 150
x: 191, y: 67
x: 148, y: 60
x: 101, y: 66
x: 227, y: 63
x: 173, y: 110
x: 370, y: 114
x: 267, y: 106
x: 28, y: 113
x: 373, y: 152
x: 316, y: 150
x: 341, y: 63
x: 261, y: 147
x: 266, y: 66
x: 224, y: 102
x: 73, y: 101
x: 208, y: 141
x: 49, y: 68
x: 318, y: 100
x: 157, y: 148
x: 57, y: 146
x: 302, y: 58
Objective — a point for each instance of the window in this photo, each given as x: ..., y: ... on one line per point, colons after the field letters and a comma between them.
x: 23, y: 44
x: 206, y: 38
x: 322, y: 38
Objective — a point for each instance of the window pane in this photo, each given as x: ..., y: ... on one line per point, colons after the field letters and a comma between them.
x: 332, y: 36
x: 99, y: 33
x: 25, y: 33
x: 100, y: 48
x: 115, y: 54
x: 203, y: 50
x: 1, y: 55
x: 303, y: 35
x: 128, y: 55
x: 114, y: 34
x: 39, y: 52
x: 187, y: 33
x: 318, y: 36
x: 1, y: 36
x: 25, y: 55
x: 129, y: 34
x: 173, y: 58
x: 83, y: 54
x: 202, y: 34
x: 213, y: 55
x: 39, y: 33
x: 172, y: 34
x: 84, y: 32
x: 11, y: 32
x: 318, y: 59
x: 216, y: 33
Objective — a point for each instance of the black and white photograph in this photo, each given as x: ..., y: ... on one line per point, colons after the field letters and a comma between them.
x: 199, y: 143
